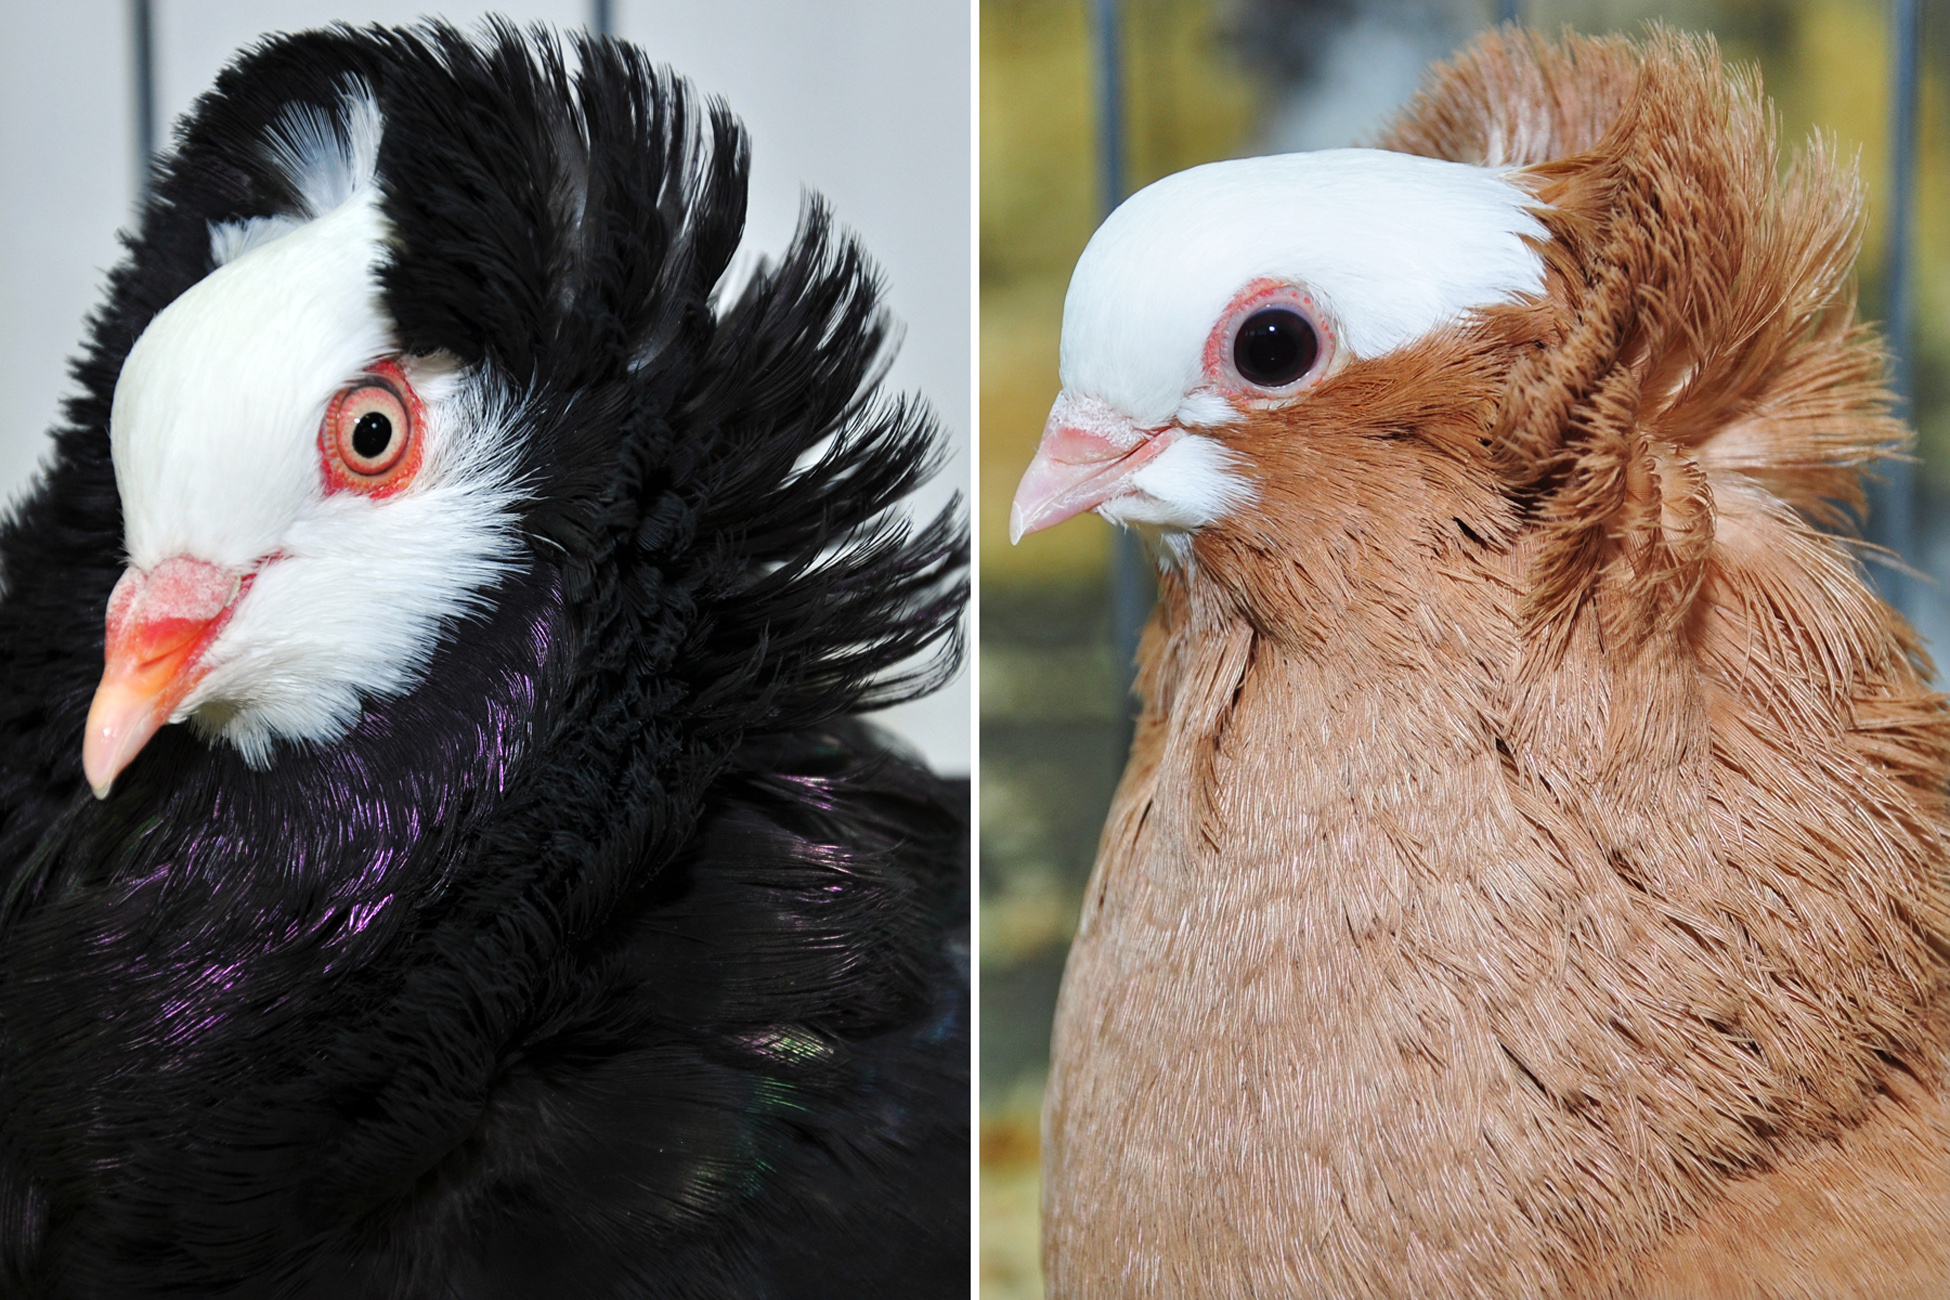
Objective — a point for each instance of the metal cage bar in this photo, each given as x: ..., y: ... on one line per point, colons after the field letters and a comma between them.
x: 142, y: 54
x: 1892, y: 502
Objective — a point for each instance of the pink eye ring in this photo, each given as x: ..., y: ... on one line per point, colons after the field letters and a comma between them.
x: 370, y: 439
x: 1272, y: 341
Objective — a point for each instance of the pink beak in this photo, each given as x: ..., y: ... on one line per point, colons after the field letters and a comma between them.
x: 159, y: 625
x: 1088, y: 456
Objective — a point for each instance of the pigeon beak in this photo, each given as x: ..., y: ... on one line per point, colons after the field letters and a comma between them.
x: 159, y: 625
x: 1088, y: 456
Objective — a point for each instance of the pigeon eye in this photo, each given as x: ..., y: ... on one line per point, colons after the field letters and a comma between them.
x: 1275, y: 347
x: 370, y: 441
x: 1270, y: 343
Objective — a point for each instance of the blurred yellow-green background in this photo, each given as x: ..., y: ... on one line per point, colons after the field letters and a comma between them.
x: 1208, y: 79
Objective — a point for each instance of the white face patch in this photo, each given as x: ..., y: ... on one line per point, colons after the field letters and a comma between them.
x: 1190, y: 484
x: 215, y: 436
x: 1391, y: 245
x: 215, y: 421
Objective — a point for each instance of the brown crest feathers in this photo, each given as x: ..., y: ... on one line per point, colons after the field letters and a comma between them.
x: 1703, y: 306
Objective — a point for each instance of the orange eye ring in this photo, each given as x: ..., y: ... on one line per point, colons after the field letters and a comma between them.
x: 370, y: 440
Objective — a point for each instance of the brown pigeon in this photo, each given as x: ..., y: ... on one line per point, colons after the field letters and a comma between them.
x: 1529, y: 879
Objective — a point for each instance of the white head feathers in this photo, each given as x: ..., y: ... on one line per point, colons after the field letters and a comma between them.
x: 1391, y: 245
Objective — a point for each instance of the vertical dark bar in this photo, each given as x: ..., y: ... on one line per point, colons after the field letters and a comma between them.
x: 1509, y: 11
x: 1108, y: 49
x: 602, y: 20
x: 1892, y: 515
x: 142, y: 46
x: 1131, y: 589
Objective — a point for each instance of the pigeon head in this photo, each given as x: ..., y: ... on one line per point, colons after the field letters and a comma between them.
x: 307, y: 505
x: 1215, y: 312
x: 422, y: 389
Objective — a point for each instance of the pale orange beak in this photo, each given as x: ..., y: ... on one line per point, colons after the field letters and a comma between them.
x: 1088, y: 456
x: 159, y: 625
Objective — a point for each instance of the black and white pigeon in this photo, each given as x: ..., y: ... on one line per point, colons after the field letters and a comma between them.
x: 437, y: 854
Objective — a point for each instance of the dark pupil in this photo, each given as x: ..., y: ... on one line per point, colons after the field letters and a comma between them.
x: 372, y: 435
x: 1275, y: 347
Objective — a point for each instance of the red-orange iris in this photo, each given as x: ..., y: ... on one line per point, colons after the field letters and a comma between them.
x: 370, y: 441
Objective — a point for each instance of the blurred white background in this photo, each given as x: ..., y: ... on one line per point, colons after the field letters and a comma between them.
x: 865, y: 101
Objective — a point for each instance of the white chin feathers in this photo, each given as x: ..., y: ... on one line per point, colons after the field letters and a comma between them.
x: 1192, y: 483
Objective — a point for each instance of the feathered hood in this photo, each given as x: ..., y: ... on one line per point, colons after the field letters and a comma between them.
x: 1698, y: 336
